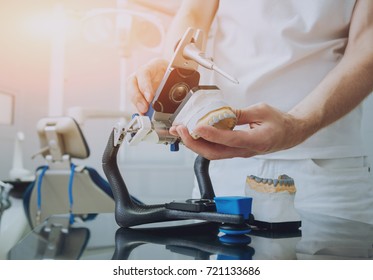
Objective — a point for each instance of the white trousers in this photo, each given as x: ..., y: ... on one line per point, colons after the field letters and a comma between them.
x: 335, y: 187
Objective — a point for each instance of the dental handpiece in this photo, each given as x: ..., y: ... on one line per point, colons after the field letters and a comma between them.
x: 191, y: 51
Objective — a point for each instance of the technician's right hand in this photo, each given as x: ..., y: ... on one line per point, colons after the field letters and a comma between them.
x: 143, y: 83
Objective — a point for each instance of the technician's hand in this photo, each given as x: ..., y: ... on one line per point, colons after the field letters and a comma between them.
x: 142, y: 84
x: 270, y: 130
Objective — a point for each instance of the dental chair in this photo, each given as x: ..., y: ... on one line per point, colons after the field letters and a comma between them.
x: 61, y: 187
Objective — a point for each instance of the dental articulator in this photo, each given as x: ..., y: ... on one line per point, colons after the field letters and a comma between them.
x: 174, y: 96
x: 180, y: 85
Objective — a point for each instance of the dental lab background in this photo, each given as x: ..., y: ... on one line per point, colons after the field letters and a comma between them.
x: 71, y: 58
x: 56, y: 56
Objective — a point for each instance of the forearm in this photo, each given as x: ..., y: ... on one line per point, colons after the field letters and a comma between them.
x: 347, y: 84
x: 192, y: 13
x: 340, y: 92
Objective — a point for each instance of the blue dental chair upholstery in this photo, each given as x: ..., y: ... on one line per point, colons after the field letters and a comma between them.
x: 60, y: 186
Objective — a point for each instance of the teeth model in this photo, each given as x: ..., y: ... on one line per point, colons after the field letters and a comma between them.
x: 282, y: 183
x: 206, y: 108
x: 222, y: 118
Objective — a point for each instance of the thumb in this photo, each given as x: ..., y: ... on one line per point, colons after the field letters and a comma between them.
x: 252, y: 114
x: 243, y: 116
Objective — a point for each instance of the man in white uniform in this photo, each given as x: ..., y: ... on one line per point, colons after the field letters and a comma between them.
x: 304, y: 68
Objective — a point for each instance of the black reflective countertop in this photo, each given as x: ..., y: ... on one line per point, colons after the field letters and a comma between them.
x: 320, y: 237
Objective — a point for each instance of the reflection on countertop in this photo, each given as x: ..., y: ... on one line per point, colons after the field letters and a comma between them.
x: 325, y: 237
x: 321, y: 237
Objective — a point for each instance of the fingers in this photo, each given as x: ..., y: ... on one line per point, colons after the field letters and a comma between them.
x: 141, y: 85
x: 235, y: 138
x: 199, y: 146
x: 173, y: 131
x: 137, y: 98
x: 208, y: 149
x: 144, y: 81
x: 254, y: 114
x: 264, y: 135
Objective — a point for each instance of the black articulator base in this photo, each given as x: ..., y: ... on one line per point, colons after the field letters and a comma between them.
x: 129, y: 212
x: 278, y: 227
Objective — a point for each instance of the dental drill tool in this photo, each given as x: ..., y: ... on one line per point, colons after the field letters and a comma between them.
x: 175, y: 89
x: 191, y: 51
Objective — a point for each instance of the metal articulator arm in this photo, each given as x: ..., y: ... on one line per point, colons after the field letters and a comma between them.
x: 129, y: 212
x: 201, y: 170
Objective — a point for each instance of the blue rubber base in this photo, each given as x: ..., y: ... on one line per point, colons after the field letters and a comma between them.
x: 235, y: 231
x: 235, y: 239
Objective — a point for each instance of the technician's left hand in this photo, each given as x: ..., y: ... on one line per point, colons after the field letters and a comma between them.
x: 269, y: 130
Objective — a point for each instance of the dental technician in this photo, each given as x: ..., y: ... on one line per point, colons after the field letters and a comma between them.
x: 304, y: 68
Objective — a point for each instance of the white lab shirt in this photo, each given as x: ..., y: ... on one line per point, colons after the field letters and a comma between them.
x: 280, y: 51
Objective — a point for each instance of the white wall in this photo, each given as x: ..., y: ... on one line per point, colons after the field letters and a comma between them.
x: 24, y: 67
